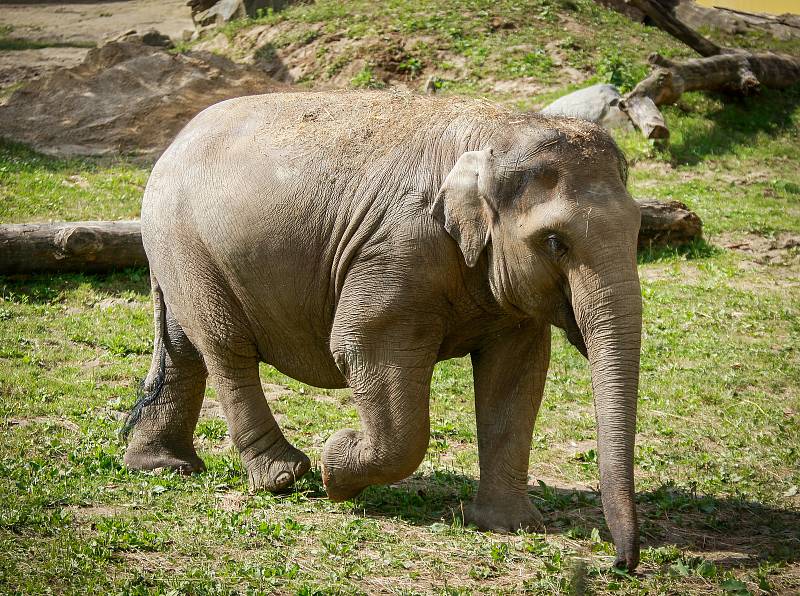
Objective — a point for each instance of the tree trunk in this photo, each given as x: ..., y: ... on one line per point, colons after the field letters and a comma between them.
x: 102, y: 246
x: 87, y: 246
x: 661, y: 14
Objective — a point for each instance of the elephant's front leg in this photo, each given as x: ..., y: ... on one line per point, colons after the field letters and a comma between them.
x: 391, y: 389
x: 509, y: 379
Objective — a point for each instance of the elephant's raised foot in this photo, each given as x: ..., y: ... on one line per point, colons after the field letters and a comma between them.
x: 340, y: 483
x: 145, y: 456
x: 351, y: 461
x: 276, y: 473
x: 505, y: 516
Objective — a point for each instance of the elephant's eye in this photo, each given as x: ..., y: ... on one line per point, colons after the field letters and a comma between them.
x: 555, y: 246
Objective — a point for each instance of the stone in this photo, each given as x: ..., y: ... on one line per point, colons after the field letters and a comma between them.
x: 597, y: 103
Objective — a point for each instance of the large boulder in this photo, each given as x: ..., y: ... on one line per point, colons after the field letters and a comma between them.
x: 597, y: 103
x: 125, y: 97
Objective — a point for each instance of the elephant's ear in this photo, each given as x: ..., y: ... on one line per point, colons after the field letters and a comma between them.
x: 463, y: 205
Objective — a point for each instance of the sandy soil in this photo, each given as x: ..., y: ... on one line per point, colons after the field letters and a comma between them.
x: 79, y: 24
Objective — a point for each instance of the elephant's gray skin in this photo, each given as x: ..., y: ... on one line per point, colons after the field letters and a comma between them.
x: 359, y: 238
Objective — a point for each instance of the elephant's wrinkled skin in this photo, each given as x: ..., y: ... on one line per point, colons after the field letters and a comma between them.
x: 357, y: 239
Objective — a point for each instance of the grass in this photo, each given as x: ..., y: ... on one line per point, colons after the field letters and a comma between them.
x: 35, y: 187
x: 468, y: 46
x: 717, y: 459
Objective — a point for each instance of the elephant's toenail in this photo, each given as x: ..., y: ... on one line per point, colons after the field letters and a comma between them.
x: 282, y: 478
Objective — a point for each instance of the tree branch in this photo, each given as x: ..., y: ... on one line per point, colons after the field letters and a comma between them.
x: 663, y: 18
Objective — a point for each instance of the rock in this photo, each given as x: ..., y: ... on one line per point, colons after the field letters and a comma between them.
x: 125, y: 97
x: 150, y: 37
x: 219, y: 12
x: 211, y: 13
x: 597, y: 103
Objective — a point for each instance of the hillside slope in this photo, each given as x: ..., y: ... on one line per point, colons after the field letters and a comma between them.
x: 511, y: 50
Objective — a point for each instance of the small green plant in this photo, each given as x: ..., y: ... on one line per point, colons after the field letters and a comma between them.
x: 531, y: 64
x: 181, y: 47
x: 119, y: 534
x: 337, y: 64
x: 499, y: 552
x: 411, y: 66
x: 366, y: 79
x: 212, y: 429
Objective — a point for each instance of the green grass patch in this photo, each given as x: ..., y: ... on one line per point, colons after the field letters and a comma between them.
x: 35, y: 187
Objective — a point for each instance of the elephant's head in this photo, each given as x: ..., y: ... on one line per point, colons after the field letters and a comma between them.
x: 551, y: 212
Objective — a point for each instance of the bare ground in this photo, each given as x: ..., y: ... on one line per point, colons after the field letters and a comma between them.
x: 72, y: 28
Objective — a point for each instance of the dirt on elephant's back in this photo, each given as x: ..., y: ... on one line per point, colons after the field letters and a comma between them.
x: 375, y: 124
x: 125, y: 97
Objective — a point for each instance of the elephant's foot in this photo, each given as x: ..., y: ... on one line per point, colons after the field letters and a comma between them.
x: 341, y: 481
x: 504, y: 515
x: 144, y: 456
x: 278, y: 469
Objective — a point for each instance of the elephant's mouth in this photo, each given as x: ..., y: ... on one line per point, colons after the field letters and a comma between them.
x: 565, y: 319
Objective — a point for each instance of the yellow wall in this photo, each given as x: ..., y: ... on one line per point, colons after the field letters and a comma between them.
x: 771, y: 6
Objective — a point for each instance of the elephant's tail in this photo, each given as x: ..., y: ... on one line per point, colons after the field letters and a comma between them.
x: 150, y: 388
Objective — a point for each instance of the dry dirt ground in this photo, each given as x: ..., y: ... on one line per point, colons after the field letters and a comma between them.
x: 73, y: 27
x: 124, y: 96
x: 76, y: 22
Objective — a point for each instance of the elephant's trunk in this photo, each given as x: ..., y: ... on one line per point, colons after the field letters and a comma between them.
x: 609, y: 314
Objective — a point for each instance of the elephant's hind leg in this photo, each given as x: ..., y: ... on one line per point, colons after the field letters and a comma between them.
x: 163, y: 434
x: 272, y: 462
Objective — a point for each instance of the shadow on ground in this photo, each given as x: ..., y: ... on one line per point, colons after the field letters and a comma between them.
x: 736, y: 123
x: 737, y: 532
x: 697, y: 249
x: 47, y: 289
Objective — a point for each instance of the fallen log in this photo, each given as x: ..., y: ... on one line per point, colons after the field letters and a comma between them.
x: 669, y: 223
x: 732, y: 73
x: 102, y: 246
x: 727, y: 70
x: 85, y: 246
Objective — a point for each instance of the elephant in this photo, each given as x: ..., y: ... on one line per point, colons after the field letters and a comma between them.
x: 355, y: 239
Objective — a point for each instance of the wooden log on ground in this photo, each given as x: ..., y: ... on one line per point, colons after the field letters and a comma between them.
x: 85, y: 246
x: 735, y: 73
x: 727, y: 70
x: 667, y: 223
x: 645, y: 115
x: 103, y: 246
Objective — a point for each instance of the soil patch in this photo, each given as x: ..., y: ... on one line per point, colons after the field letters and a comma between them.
x: 779, y: 249
x: 125, y: 97
x: 83, y: 514
x: 232, y: 501
x: 82, y: 22
x: 25, y: 65
x: 63, y: 423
